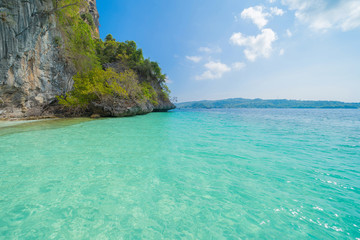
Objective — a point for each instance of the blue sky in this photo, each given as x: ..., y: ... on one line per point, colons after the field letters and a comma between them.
x: 215, y: 49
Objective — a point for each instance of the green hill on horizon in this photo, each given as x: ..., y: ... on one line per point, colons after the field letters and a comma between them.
x: 262, y: 103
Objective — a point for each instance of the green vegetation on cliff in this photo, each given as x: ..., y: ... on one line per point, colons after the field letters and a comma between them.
x: 102, y: 85
x: 77, y: 35
x: 130, y: 57
x: 104, y: 69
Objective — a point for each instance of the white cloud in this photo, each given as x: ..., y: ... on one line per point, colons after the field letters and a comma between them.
x: 281, y: 52
x: 302, y: 4
x: 204, y: 49
x: 277, y: 11
x: 321, y: 16
x: 271, y: 1
x: 255, y: 46
x: 259, y: 15
x: 194, y: 59
x: 210, y: 50
x: 238, y: 65
x: 214, y: 70
x: 288, y: 33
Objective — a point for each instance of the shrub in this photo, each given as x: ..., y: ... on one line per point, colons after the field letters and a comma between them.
x: 100, y: 85
x: 149, y: 93
x: 89, y: 19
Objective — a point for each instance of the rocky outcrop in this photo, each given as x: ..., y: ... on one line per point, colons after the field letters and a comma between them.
x: 164, y: 106
x: 131, y: 107
x: 120, y: 108
x: 127, y: 107
x: 34, y: 68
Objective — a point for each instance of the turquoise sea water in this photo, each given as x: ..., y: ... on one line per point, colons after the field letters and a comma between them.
x: 194, y: 174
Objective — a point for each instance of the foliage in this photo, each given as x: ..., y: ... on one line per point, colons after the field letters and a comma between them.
x: 89, y: 55
x: 88, y: 18
x: 149, y: 93
x: 127, y: 52
x: 100, y: 85
x: 78, y: 35
x: 165, y: 91
x: 107, y: 51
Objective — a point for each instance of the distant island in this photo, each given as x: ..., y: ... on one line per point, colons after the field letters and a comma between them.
x: 263, y: 103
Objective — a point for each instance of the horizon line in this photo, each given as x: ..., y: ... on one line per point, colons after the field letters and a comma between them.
x: 268, y: 99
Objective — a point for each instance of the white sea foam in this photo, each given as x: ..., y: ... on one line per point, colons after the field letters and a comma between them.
x: 337, y: 229
x: 318, y: 208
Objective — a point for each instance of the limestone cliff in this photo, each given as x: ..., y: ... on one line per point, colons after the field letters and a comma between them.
x: 32, y: 70
x: 33, y: 67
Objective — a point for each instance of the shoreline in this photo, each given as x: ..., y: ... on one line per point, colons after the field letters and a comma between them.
x: 59, y: 117
x: 56, y: 112
x: 12, y: 119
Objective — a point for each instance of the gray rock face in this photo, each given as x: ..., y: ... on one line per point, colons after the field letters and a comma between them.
x: 128, y: 107
x: 121, y: 108
x: 32, y: 68
x: 94, y: 12
x: 164, y: 106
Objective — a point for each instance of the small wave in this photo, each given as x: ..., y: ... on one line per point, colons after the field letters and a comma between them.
x: 318, y: 208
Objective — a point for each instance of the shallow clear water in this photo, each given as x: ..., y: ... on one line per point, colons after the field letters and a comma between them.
x: 195, y: 174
